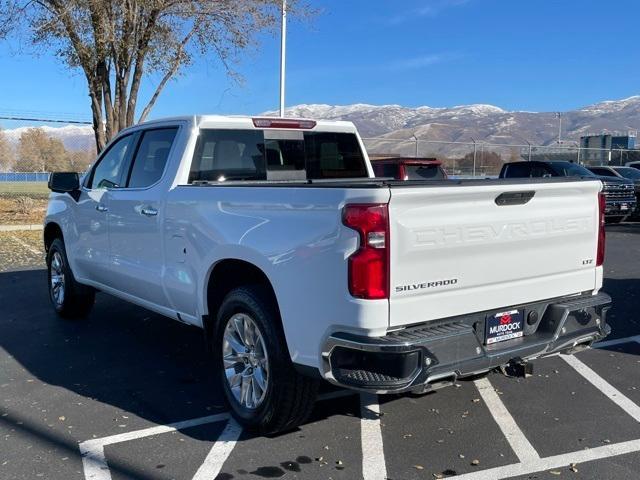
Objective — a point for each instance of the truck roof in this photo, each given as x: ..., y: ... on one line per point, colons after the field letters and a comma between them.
x: 247, y: 122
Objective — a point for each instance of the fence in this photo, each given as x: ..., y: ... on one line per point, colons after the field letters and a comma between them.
x: 24, y: 176
x: 40, y: 145
x: 486, y: 159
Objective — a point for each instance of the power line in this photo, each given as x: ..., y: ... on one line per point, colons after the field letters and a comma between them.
x: 43, y: 120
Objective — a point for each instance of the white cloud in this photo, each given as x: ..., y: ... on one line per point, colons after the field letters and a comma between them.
x: 421, y: 61
x: 432, y: 9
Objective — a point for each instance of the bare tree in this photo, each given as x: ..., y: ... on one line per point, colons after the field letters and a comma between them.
x: 7, y: 155
x: 116, y: 43
x: 38, y: 152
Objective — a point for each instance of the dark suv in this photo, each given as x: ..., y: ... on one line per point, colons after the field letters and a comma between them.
x: 619, y: 192
x: 630, y: 173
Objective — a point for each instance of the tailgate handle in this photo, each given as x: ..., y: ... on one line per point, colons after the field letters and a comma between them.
x: 514, y: 198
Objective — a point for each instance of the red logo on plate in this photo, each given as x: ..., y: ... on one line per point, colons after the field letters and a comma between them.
x: 505, y: 319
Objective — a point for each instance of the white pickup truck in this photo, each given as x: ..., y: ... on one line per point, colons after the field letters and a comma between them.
x: 274, y: 237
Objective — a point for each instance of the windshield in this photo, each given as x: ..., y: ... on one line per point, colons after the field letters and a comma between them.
x: 628, y: 172
x: 568, y: 169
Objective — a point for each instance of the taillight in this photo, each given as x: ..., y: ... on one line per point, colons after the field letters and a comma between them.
x: 602, y: 201
x: 369, y: 265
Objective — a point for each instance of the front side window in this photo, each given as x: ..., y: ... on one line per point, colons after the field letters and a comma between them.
x: 151, y: 157
x: 111, y: 170
x: 568, y: 169
x: 275, y: 155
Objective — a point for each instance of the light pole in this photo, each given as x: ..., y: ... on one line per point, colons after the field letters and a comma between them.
x: 283, y: 54
x: 529, y: 143
x: 475, y: 153
x: 559, y: 117
x: 416, y: 140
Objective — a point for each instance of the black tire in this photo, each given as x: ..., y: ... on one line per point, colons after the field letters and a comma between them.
x: 614, y: 220
x: 289, y: 397
x: 76, y: 300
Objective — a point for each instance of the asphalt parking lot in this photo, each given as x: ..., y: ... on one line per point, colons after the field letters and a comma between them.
x: 127, y: 395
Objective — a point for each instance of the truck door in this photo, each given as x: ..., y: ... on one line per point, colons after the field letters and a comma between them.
x: 135, y: 220
x: 90, y: 247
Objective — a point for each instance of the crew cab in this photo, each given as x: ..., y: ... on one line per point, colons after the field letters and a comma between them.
x: 401, y: 168
x: 619, y: 192
x: 274, y: 237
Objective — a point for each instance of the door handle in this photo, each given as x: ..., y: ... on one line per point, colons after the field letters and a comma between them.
x: 149, y: 212
x: 101, y: 208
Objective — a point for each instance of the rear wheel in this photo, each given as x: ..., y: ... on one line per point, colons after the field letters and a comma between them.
x: 263, y: 389
x: 69, y: 298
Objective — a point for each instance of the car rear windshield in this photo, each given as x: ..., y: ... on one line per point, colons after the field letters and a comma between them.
x: 422, y: 172
x: 275, y: 155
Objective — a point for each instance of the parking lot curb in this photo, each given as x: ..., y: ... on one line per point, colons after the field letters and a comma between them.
x: 17, y: 228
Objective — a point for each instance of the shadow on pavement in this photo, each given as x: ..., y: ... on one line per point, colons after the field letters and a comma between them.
x: 122, y: 355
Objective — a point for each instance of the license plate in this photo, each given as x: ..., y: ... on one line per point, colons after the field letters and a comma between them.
x: 624, y: 206
x: 504, y: 326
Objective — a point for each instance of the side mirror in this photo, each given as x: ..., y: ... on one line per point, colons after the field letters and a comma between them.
x: 65, y: 182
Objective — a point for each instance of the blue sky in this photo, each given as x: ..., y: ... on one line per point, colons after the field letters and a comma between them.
x: 541, y: 55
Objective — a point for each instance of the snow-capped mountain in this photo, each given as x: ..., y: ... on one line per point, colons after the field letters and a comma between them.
x: 74, y: 137
x: 486, y: 123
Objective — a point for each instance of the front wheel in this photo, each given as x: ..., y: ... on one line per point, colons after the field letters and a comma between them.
x: 264, y: 391
x: 69, y: 298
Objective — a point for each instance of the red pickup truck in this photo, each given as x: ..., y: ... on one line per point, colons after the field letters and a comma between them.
x: 401, y: 168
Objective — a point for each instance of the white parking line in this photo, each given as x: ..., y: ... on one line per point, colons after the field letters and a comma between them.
x: 373, y: 462
x: 517, y: 440
x: 557, y: 461
x: 605, y: 387
x: 95, y: 464
x: 219, y: 452
x: 94, y: 461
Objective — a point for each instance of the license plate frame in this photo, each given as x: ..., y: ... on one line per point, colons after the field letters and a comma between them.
x: 504, y: 326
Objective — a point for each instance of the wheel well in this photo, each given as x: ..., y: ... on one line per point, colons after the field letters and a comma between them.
x: 230, y: 274
x: 51, y: 232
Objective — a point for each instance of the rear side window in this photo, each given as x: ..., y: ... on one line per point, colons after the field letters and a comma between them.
x: 151, y: 157
x: 517, y: 170
x: 275, y: 155
x: 423, y: 172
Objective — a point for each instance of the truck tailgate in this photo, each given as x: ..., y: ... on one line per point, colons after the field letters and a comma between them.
x: 472, y: 247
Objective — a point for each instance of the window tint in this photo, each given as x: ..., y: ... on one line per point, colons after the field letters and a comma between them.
x: 228, y: 155
x: 527, y: 170
x: 333, y: 155
x: 422, y: 172
x: 111, y: 170
x: 518, y: 170
x: 568, y: 169
x: 275, y: 155
x: 151, y: 157
x: 387, y: 170
x: 628, y: 172
x: 605, y: 172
